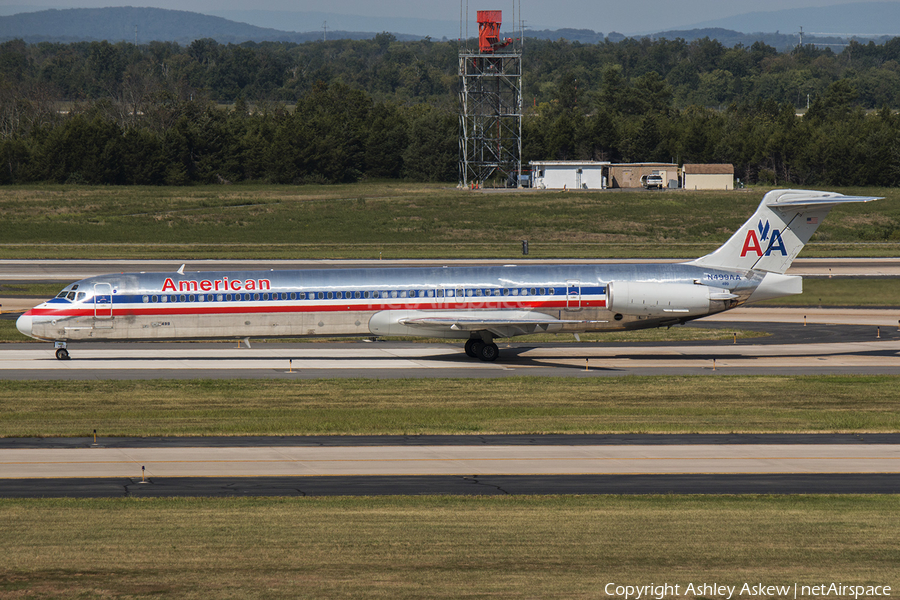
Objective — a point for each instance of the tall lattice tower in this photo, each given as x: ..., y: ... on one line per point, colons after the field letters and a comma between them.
x: 490, y: 105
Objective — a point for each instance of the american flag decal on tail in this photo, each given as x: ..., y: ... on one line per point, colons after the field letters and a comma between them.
x: 812, y: 220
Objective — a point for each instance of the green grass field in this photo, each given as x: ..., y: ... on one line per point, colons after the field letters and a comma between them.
x: 400, y: 220
x: 439, y: 547
x: 517, y: 405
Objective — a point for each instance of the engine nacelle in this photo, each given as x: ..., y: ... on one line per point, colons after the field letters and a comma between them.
x: 653, y: 299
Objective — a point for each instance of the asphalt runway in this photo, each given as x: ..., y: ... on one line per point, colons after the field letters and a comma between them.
x: 458, y: 465
x: 791, y: 348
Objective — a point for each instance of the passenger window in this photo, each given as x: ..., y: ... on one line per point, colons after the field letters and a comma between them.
x: 356, y: 294
x: 506, y: 291
x: 191, y: 298
x: 515, y: 292
x: 542, y: 291
x: 146, y: 299
x: 533, y: 291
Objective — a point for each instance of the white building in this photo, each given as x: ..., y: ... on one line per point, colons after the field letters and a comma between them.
x: 708, y: 177
x: 570, y: 174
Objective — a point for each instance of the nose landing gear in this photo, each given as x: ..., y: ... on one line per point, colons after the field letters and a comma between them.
x: 61, y: 352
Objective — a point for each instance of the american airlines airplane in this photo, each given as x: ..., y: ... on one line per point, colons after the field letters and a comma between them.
x: 476, y: 304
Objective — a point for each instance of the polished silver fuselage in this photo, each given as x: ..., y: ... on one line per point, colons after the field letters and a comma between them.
x: 376, y: 301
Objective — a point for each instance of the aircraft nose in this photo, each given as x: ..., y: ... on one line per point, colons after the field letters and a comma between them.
x: 23, y: 324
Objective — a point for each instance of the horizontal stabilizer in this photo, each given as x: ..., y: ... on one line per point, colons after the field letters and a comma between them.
x: 823, y: 201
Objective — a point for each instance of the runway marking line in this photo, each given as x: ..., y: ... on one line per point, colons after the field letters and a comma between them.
x: 407, y: 460
x: 462, y: 474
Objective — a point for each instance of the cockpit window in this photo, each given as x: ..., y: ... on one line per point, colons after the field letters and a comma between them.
x: 80, y: 296
x: 62, y: 294
x: 70, y: 296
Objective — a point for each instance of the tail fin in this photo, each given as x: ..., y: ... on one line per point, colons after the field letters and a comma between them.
x: 777, y: 231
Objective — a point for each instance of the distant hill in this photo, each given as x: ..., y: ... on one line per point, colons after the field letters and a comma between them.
x: 779, y: 41
x: 153, y: 24
x: 860, y: 19
x: 302, y: 20
x: 585, y: 36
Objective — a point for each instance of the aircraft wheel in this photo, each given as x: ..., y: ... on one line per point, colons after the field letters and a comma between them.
x: 470, y: 348
x: 62, y: 354
x: 489, y: 352
x: 477, y: 345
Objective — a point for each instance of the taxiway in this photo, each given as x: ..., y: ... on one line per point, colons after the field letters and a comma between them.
x: 451, y: 465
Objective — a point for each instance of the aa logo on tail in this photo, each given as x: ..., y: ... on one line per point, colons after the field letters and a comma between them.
x: 752, y: 243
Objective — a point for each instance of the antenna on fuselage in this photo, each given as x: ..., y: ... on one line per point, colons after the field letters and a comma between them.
x: 180, y: 270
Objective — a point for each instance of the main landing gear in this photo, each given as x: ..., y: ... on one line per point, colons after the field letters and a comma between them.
x: 486, y: 351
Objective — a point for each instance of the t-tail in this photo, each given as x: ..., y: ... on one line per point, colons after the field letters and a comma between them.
x: 777, y: 231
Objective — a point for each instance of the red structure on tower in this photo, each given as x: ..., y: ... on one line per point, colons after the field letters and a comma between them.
x: 489, y: 31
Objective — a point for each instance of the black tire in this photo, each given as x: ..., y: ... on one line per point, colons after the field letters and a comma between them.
x: 62, y: 354
x: 470, y: 348
x: 489, y: 352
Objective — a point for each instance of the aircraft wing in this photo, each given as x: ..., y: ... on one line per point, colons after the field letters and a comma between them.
x: 496, y: 323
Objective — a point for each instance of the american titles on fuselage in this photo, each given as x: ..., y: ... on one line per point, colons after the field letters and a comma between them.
x: 223, y: 284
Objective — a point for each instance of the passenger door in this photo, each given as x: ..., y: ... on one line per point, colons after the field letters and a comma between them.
x: 103, y: 305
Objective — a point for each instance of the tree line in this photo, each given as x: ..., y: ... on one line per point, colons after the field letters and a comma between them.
x: 345, y: 110
x: 702, y: 72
